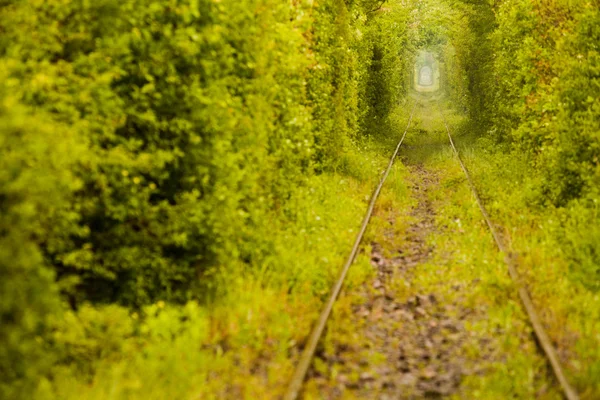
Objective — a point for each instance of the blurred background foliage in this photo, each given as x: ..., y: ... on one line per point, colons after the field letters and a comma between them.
x: 149, y: 147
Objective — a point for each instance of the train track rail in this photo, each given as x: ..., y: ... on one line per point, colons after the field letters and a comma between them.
x: 538, y: 329
x: 309, y: 351
x: 541, y: 336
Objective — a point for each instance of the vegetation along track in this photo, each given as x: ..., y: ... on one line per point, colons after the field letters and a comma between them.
x: 309, y: 350
x: 419, y: 252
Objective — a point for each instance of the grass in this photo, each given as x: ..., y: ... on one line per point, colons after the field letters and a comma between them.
x: 466, y: 271
x: 243, y: 343
x: 343, y: 330
x: 465, y: 257
x: 509, y: 365
x: 568, y: 308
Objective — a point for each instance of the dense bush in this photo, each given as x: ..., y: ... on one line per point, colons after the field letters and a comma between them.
x: 542, y: 71
x: 36, y: 186
x: 148, y: 145
x: 392, y: 54
x: 539, y: 94
x: 175, y: 103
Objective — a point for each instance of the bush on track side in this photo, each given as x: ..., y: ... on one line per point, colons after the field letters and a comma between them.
x: 152, y: 150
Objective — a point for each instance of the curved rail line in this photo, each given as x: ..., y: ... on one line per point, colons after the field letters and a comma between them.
x: 309, y: 351
x: 540, y: 333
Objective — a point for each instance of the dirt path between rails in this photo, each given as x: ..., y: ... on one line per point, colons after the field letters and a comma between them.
x: 412, y: 341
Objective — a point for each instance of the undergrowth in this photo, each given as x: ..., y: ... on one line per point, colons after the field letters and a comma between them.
x: 244, y: 343
x: 554, y: 249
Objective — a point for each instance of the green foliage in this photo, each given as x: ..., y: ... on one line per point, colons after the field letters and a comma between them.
x: 175, y: 102
x: 36, y: 186
x: 536, y: 87
x: 189, y: 151
x: 153, y: 150
x: 544, y: 78
x: 534, y: 98
x: 199, y: 118
x: 391, y: 61
x: 554, y: 116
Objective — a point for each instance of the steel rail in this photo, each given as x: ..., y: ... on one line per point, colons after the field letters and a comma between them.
x: 540, y: 333
x: 306, y: 357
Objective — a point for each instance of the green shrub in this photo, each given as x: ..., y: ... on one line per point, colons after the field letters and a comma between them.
x: 193, y: 131
x: 148, y: 146
x: 36, y: 187
x: 544, y: 79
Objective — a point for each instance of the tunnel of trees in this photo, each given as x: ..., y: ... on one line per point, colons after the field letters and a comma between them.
x: 165, y: 165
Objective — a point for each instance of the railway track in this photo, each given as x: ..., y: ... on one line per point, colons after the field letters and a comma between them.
x: 543, y: 341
